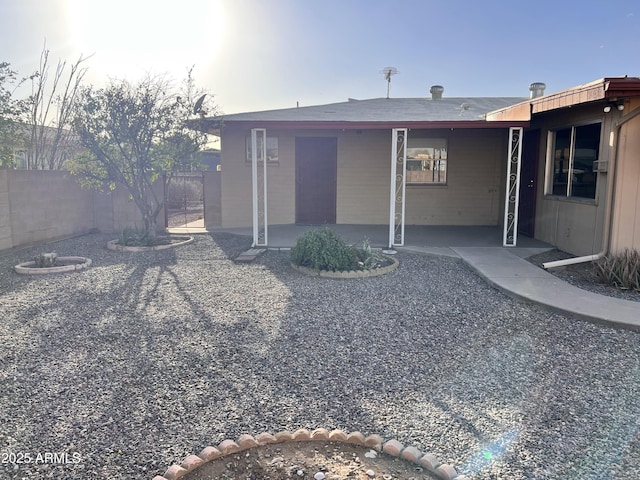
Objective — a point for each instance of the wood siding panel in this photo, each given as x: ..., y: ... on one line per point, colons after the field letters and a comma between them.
x: 626, y: 218
x: 574, y: 226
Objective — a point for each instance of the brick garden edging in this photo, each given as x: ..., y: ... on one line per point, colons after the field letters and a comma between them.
x: 113, y: 245
x: 373, y: 272
x: 392, y: 447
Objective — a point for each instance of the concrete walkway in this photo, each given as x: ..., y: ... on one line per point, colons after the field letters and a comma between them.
x: 505, y: 269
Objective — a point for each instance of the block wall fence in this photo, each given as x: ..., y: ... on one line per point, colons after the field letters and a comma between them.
x: 37, y: 206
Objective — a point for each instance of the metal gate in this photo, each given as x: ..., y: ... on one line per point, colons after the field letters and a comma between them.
x: 184, y: 200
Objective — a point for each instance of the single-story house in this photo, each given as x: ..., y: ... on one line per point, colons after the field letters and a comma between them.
x: 564, y: 168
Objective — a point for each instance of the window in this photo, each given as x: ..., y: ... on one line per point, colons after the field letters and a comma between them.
x: 20, y: 159
x: 573, y: 153
x: 427, y: 161
x: 272, y: 150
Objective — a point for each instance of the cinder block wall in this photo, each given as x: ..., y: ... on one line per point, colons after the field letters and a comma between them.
x: 43, y: 205
x: 5, y: 213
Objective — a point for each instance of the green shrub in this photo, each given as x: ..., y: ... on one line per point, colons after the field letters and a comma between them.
x: 323, y: 249
x: 368, y: 257
x: 621, y: 271
x: 46, y: 260
x: 134, y: 237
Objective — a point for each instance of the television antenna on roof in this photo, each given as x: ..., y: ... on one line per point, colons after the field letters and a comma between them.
x: 388, y: 72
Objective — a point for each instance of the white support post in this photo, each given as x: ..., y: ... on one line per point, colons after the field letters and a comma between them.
x: 259, y: 186
x: 512, y: 198
x: 397, y: 187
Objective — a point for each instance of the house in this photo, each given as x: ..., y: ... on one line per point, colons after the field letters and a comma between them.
x: 539, y: 165
x: 38, y: 147
x: 580, y: 179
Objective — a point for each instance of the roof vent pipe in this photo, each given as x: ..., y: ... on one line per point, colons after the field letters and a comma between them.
x: 537, y: 89
x: 436, y: 92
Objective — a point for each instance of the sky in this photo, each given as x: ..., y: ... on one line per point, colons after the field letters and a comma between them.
x: 257, y: 55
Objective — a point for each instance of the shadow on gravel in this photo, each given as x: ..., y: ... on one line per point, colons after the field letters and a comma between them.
x: 144, y: 359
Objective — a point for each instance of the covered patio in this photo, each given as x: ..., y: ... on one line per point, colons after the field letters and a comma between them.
x: 416, y: 236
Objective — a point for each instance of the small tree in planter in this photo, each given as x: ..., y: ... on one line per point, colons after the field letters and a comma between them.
x: 135, y: 134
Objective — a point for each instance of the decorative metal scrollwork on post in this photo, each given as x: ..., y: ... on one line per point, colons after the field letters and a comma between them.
x: 398, y: 171
x: 513, y: 188
x: 259, y: 186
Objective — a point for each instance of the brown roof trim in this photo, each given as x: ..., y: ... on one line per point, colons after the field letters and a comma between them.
x: 602, y: 89
x: 338, y: 125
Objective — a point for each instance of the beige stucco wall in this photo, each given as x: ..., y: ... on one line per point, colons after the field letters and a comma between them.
x: 625, y: 232
x: 473, y: 195
x: 212, y: 200
x: 572, y: 225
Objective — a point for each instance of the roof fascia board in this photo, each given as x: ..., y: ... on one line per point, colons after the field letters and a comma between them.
x: 604, y: 88
x: 327, y: 125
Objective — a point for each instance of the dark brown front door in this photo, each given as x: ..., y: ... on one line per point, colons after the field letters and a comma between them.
x: 528, y: 184
x: 316, y: 170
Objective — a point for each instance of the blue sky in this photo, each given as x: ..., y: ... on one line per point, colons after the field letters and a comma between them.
x: 268, y: 54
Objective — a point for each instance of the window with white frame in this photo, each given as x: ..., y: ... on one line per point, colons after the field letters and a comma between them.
x: 272, y: 150
x: 572, y: 153
x: 426, y: 161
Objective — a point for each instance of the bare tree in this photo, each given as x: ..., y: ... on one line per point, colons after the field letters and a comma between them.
x: 51, y: 108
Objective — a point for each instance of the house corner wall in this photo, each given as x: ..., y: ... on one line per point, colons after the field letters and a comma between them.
x: 212, y: 199
x: 625, y: 230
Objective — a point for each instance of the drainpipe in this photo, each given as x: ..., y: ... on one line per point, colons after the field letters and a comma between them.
x: 608, y: 219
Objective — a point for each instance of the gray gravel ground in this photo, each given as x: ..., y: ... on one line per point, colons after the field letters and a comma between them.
x: 145, y: 358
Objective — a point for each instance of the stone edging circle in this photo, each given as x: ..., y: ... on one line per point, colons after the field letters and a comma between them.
x: 374, y: 272
x: 443, y: 471
x: 29, y: 268
x: 113, y: 245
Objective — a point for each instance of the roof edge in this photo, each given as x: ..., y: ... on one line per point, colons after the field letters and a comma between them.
x: 346, y: 125
x: 603, y: 88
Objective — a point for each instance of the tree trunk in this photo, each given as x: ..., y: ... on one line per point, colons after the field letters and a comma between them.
x: 150, y: 228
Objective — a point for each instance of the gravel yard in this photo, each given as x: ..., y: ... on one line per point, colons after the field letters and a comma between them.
x: 144, y: 358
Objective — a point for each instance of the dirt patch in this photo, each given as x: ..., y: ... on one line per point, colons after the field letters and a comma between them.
x: 309, y: 460
x: 581, y: 275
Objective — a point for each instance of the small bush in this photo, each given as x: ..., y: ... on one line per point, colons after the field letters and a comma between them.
x: 323, y: 249
x: 621, y: 271
x: 46, y: 260
x: 131, y: 236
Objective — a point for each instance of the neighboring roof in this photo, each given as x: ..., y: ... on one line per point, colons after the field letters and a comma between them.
x: 381, y: 113
x: 610, y: 88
